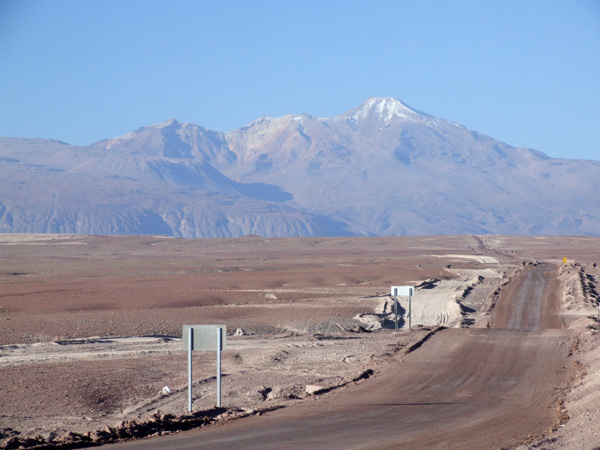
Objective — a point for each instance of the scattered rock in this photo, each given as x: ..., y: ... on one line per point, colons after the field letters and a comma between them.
x: 313, y: 389
x: 240, y: 332
x: 370, y: 321
x: 286, y: 392
x: 258, y: 394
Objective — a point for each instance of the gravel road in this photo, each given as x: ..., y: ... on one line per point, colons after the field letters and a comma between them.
x: 464, y: 388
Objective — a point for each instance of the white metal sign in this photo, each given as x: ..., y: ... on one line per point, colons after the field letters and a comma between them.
x: 403, y: 290
x: 204, y: 337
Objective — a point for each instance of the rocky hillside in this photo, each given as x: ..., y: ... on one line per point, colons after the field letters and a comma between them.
x: 382, y: 168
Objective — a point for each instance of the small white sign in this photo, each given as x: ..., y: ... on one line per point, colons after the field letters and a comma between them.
x: 205, y: 337
x: 403, y: 290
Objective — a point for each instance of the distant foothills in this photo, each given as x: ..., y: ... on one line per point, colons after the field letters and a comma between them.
x: 380, y: 169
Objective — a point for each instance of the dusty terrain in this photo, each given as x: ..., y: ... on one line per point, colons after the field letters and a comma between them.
x: 91, y: 326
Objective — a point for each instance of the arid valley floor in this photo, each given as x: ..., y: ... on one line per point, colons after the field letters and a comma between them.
x: 90, y: 334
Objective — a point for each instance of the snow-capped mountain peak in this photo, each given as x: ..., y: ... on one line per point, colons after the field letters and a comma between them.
x: 383, y: 109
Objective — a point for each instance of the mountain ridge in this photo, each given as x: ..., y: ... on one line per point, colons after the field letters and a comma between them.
x: 381, y: 168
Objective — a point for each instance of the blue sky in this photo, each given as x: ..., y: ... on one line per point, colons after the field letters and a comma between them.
x: 524, y: 72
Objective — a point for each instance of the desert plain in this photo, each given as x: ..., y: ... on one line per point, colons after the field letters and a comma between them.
x: 91, y: 350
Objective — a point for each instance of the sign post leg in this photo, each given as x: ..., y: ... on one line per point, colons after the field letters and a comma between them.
x: 219, y: 346
x: 409, y: 312
x: 190, y: 348
x: 395, y: 309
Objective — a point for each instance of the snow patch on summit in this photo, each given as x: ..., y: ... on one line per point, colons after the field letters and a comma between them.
x: 385, y: 109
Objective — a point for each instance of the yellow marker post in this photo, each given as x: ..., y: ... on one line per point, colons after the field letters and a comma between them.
x: 564, y: 260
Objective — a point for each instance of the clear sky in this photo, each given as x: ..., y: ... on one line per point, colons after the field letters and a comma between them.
x: 524, y: 72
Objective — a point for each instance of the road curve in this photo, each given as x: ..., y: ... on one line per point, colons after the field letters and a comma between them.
x: 464, y: 388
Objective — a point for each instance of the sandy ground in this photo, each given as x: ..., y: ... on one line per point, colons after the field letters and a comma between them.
x: 90, y: 327
x: 466, y: 388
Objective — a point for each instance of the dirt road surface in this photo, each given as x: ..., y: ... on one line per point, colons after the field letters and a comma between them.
x: 464, y: 388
